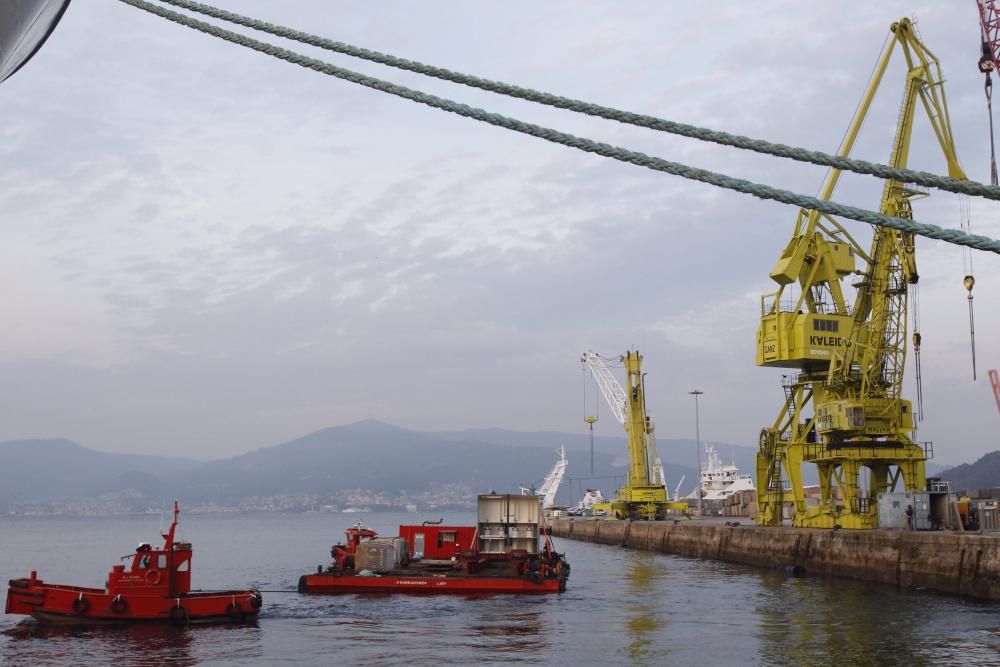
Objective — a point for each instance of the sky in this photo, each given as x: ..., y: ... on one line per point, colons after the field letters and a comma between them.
x: 204, y: 250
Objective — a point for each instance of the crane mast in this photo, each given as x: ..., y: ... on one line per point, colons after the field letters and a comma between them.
x: 850, y: 359
x: 644, y: 494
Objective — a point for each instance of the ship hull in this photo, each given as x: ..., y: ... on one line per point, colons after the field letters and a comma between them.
x: 74, y: 605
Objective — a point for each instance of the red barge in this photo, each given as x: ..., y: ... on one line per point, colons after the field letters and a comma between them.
x: 499, y: 555
x: 155, y: 587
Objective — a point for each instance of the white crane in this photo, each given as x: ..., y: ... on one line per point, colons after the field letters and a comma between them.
x: 616, y: 397
x: 550, y: 485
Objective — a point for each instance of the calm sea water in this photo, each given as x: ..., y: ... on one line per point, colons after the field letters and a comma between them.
x: 622, y: 607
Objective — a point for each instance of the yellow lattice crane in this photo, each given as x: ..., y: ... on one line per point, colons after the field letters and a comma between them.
x: 644, y: 494
x: 843, y: 409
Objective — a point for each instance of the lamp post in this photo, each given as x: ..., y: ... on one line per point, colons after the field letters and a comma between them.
x: 697, y: 434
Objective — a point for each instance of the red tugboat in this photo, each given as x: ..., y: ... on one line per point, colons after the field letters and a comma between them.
x: 499, y: 555
x: 155, y: 587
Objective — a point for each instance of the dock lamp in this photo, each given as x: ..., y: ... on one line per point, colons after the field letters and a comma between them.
x: 697, y: 434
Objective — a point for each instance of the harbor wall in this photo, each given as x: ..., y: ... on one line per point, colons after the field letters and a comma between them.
x: 961, y: 563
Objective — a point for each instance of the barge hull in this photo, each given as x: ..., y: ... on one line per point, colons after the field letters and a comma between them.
x: 327, y: 584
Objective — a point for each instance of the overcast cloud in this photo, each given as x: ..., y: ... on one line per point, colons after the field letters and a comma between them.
x: 204, y: 251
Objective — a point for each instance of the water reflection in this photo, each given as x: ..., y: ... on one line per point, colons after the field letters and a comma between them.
x: 31, y: 643
x: 642, y: 604
x: 510, y: 632
x: 805, y: 620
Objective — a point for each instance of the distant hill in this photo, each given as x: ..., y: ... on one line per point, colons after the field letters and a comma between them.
x: 680, y: 455
x: 60, y: 470
x: 983, y: 474
x: 376, y: 456
x: 369, y: 455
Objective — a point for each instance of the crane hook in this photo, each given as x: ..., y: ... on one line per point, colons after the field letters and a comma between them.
x: 969, y: 281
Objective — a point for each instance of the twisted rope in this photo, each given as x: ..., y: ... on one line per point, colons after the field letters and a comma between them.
x: 640, y: 120
x: 624, y: 155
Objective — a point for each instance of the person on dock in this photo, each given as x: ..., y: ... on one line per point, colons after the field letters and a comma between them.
x: 909, y: 517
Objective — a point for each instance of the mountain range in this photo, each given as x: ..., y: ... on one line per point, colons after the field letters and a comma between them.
x: 369, y: 456
x: 983, y: 474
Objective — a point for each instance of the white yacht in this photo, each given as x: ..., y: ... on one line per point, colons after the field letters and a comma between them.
x: 719, y: 481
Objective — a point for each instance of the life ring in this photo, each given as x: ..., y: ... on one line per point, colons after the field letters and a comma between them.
x: 81, y: 605
x: 235, y: 611
x: 179, y: 615
x: 153, y: 577
x: 118, y: 605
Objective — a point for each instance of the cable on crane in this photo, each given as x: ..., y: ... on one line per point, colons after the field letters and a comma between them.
x: 609, y: 113
x: 758, y: 190
x: 969, y: 281
x: 918, y: 376
x: 988, y: 31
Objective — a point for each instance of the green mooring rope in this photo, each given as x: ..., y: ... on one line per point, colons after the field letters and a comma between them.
x: 650, y: 122
x: 624, y: 155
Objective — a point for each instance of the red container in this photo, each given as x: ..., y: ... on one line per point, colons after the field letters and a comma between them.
x: 438, y: 542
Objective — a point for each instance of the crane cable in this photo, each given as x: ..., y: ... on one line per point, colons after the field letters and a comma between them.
x: 955, y: 236
x: 918, y: 376
x: 986, y: 66
x: 609, y: 113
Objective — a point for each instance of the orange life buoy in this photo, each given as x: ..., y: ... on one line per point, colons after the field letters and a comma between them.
x: 153, y: 577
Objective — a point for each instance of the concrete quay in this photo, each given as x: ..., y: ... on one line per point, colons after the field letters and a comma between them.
x: 960, y: 563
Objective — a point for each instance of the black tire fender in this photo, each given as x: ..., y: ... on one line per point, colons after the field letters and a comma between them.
x: 179, y: 615
x: 81, y: 605
x: 119, y: 605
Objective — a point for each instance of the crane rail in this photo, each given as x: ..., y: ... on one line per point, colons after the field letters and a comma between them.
x: 758, y: 190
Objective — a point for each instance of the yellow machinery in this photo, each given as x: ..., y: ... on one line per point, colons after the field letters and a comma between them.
x: 849, y: 359
x: 644, y: 494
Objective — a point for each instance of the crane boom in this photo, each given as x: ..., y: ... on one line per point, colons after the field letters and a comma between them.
x: 613, y: 392
x: 995, y: 383
x: 989, y: 24
x: 617, y: 399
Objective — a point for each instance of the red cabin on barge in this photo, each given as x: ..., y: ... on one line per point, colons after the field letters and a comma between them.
x: 499, y: 555
x: 156, y: 586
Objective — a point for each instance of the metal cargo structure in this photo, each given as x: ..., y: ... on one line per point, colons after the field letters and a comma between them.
x: 508, y: 523
x: 892, y: 510
x: 375, y: 556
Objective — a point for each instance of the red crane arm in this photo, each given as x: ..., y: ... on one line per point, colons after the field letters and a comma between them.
x: 989, y: 22
x: 995, y: 381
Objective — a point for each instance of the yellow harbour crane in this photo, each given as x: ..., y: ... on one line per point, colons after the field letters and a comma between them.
x: 843, y: 409
x: 644, y: 494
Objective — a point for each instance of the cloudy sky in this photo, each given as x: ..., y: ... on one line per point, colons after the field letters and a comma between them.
x: 204, y: 251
